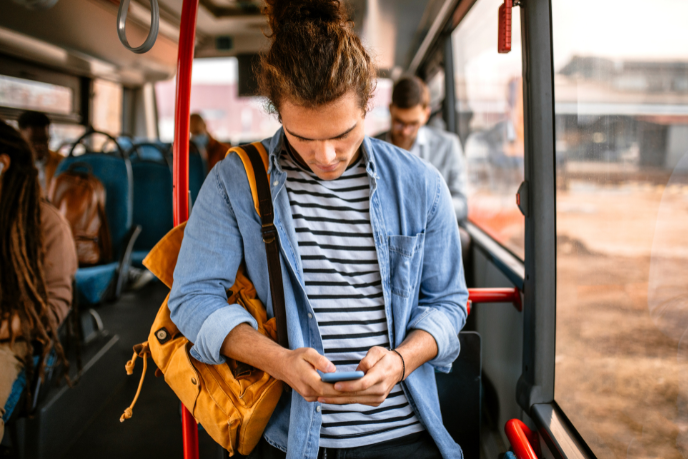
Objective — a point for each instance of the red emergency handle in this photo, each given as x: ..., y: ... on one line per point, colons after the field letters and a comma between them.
x: 494, y: 295
x: 523, y: 441
x: 504, y: 34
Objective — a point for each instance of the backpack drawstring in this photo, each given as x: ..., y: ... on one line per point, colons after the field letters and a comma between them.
x: 128, y: 413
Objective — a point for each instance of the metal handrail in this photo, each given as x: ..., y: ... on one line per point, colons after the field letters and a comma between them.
x: 152, y: 33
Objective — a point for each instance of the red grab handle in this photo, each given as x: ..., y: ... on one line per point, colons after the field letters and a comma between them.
x: 523, y: 440
x: 494, y: 295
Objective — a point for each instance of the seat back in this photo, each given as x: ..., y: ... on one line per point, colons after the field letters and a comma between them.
x: 114, y: 171
x: 152, y: 193
x: 460, y: 395
x: 197, y: 172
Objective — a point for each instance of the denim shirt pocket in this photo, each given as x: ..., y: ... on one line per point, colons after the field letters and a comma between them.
x: 405, y: 257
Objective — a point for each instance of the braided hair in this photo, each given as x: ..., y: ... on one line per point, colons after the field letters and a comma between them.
x: 23, y: 290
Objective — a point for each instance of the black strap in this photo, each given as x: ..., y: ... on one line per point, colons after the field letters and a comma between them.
x: 271, y: 242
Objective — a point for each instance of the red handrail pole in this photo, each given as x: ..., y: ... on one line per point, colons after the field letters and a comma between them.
x: 187, y: 34
x: 180, y: 192
x: 522, y: 439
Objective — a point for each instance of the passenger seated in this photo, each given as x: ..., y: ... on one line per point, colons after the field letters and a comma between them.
x: 37, y: 261
x: 410, y: 111
x: 214, y: 151
x: 35, y: 127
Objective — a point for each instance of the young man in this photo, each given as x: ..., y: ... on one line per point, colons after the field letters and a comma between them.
x: 35, y: 127
x: 410, y: 111
x: 370, y: 252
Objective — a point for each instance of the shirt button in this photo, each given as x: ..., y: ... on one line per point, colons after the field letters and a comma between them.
x: 318, y: 409
x: 275, y: 183
x: 310, y: 316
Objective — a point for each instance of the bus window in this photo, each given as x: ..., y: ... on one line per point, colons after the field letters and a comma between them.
x: 490, y: 120
x: 35, y: 95
x: 214, y: 94
x: 378, y: 120
x: 621, y: 112
x: 107, y: 107
x: 63, y: 135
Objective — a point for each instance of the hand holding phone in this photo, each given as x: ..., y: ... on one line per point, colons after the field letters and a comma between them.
x: 341, y: 376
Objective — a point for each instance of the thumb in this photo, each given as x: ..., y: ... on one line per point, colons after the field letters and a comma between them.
x: 318, y: 361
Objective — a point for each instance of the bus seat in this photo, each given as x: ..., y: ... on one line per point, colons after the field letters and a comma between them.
x: 197, y: 172
x: 151, y: 151
x: 103, y: 282
x: 152, y: 197
x: 125, y: 141
x: 460, y: 395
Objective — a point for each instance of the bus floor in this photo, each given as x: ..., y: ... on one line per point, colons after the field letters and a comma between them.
x: 155, y: 429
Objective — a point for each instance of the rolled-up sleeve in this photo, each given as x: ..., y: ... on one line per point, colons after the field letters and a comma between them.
x: 206, y: 268
x: 443, y: 295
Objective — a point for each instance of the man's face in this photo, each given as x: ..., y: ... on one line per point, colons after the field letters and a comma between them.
x: 405, y: 124
x: 326, y: 138
x: 38, y: 138
x: 197, y: 126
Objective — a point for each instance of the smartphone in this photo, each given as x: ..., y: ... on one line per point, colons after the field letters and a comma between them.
x: 341, y: 376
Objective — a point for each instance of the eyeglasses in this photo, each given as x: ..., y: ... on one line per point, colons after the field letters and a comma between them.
x: 400, y: 125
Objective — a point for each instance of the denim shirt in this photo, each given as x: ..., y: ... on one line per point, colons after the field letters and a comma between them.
x: 419, y: 253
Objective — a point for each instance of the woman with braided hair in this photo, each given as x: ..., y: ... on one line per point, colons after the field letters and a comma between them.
x: 37, y: 264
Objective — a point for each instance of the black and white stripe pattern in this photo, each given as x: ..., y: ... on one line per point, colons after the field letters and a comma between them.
x: 343, y: 284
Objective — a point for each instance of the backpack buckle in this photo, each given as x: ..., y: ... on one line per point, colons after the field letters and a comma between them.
x: 269, y: 233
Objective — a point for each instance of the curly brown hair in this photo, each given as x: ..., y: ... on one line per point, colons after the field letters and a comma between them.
x: 315, y: 57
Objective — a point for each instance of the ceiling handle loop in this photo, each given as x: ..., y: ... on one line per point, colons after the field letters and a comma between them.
x: 152, y: 34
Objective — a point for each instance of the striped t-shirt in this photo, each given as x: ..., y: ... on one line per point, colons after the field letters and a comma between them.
x: 344, y: 287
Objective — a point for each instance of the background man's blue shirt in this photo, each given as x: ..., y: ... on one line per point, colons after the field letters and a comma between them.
x: 419, y: 252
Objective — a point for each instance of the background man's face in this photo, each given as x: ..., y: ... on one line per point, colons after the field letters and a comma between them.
x: 197, y: 125
x: 405, y: 124
x: 38, y: 138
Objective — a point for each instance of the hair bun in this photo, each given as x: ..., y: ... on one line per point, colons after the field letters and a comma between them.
x: 283, y: 12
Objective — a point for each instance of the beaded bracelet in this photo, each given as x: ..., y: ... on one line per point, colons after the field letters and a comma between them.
x: 403, y: 365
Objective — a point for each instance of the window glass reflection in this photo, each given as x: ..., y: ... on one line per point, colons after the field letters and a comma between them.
x: 490, y: 122
x: 621, y: 89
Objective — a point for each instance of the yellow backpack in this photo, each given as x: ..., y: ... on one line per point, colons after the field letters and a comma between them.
x: 233, y: 402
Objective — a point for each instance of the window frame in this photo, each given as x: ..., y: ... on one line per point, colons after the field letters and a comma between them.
x: 535, y: 389
x: 17, y: 68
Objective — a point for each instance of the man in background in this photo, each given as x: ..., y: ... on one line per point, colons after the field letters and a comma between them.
x: 35, y: 128
x: 214, y: 151
x: 410, y: 111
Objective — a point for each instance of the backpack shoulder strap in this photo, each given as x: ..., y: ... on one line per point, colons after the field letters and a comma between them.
x: 255, y: 160
x: 250, y: 170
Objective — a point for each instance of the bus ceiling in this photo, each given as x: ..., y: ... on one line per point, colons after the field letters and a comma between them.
x: 81, y: 37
